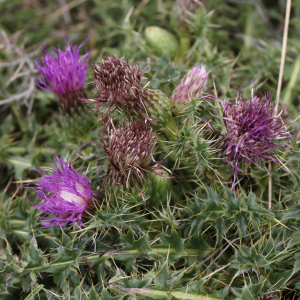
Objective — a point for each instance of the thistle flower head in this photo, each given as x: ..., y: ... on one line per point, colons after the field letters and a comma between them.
x: 64, y: 192
x: 130, y: 153
x: 254, y: 132
x: 63, y: 72
x: 190, y: 87
x: 118, y: 84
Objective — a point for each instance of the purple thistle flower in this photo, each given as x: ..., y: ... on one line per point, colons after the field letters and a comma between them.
x: 65, y: 193
x: 254, y: 132
x: 63, y: 73
x: 130, y: 152
x: 118, y: 84
x: 190, y: 87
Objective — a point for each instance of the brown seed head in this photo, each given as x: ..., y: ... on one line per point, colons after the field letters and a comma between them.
x: 118, y: 84
x: 130, y: 151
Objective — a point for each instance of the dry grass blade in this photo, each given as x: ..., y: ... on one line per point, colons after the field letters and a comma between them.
x: 284, y: 43
x: 20, y: 68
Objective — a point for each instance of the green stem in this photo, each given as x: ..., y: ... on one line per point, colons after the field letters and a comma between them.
x: 185, y: 43
x: 248, y: 27
x: 154, y: 251
x: 162, y: 294
x: 171, y: 129
x: 289, y: 89
x: 163, y: 145
x: 115, y: 255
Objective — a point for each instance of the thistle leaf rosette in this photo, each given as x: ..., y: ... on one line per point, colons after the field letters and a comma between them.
x: 64, y: 192
x: 130, y: 153
x: 253, y: 134
x: 118, y: 85
x: 190, y: 87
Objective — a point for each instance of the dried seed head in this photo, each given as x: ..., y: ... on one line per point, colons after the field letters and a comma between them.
x: 130, y: 152
x: 64, y: 72
x: 118, y: 84
x: 190, y: 87
x: 254, y: 132
x: 64, y: 192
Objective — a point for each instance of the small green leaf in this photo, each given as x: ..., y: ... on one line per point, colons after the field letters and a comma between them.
x: 296, y: 266
x: 20, y: 164
x: 293, y: 212
x: 34, y: 257
x: 295, y: 239
x: 171, y: 247
x: 161, y: 280
x: 241, y: 222
x: 105, y: 295
x: 93, y: 294
x: 256, y: 289
x: 34, y: 292
x: 246, y: 295
x: 64, y: 267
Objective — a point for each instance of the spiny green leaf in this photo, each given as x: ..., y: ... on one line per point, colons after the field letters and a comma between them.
x: 295, y: 240
x: 163, y: 277
x: 34, y: 256
x: 93, y: 294
x: 105, y: 295
x: 64, y: 266
x: 293, y: 212
x: 246, y: 295
x: 173, y: 244
x: 278, y: 280
x: 241, y: 222
x: 142, y: 244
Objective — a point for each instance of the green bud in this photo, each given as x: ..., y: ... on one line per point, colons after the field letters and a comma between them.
x: 158, y: 187
x: 160, y: 109
x: 77, y: 124
x: 155, y: 190
x: 162, y: 41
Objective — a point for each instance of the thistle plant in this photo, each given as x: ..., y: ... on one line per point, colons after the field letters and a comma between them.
x: 64, y: 73
x: 253, y: 132
x: 66, y: 193
x: 201, y: 236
